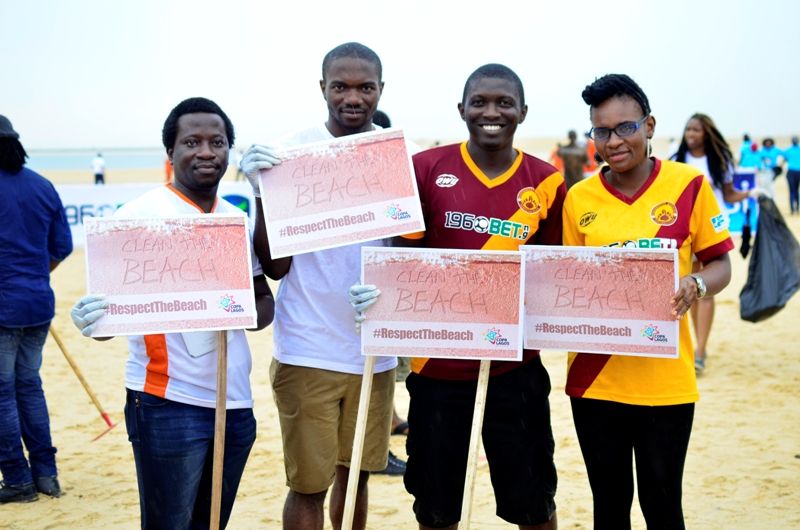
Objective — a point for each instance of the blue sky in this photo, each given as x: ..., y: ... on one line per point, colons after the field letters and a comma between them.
x: 92, y: 73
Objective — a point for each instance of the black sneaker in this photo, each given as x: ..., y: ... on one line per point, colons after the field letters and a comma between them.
x: 23, y: 493
x: 394, y: 466
x: 48, y: 486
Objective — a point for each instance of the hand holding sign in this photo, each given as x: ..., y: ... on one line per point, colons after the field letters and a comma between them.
x: 256, y: 158
x: 361, y: 297
x: 87, y: 311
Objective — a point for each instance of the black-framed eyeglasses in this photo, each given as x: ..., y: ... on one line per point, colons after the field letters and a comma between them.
x: 626, y: 128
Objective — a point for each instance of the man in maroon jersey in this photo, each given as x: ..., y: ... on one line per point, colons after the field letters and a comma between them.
x: 483, y: 194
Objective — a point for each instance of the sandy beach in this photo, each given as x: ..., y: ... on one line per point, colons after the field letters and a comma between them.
x: 742, y: 472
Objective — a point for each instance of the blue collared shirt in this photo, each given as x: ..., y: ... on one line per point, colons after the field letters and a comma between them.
x: 33, y: 233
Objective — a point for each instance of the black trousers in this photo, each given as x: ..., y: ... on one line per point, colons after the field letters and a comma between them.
x: 611, y: 435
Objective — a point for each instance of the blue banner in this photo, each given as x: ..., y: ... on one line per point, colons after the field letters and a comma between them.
x: 739, y: 211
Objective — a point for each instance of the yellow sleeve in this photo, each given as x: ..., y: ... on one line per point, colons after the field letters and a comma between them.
x: 570, y: 234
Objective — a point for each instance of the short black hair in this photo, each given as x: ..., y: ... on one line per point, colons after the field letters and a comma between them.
x: 354, y: 50
x: 191, y: 106
x: 495, y: 71
x: 12, y: 155
x: 614, y: 85
x: 381, y: 119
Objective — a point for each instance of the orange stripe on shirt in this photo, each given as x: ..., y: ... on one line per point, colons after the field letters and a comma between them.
x: 156, y: 378
x: 418, y: 363
x: 189, y: 201
x: 546, y: 191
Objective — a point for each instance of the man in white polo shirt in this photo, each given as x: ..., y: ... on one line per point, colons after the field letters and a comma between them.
x: 171, y: 378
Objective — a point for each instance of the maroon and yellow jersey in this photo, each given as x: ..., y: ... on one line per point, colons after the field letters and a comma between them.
x: 675, y: 208
x: 465, y: 209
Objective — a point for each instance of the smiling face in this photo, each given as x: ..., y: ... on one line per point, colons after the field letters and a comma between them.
x: 352, y: 88
x: 623, y: 154
x: 200, y: 154
x: 694, y: 135
x: 492, y: 111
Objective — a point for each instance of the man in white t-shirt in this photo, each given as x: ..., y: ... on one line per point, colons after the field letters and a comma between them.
x: 317, y: 366
x: 99, y: 169
x: 171, y: 378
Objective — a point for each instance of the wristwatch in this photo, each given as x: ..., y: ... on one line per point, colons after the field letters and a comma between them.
x: 701, y: 285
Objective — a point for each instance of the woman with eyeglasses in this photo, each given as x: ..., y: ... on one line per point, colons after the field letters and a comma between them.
x: 629, y: 407
x: 704, y: 148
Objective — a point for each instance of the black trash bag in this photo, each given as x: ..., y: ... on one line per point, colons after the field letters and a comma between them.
x: 773, y: 274
x: 746, y: 235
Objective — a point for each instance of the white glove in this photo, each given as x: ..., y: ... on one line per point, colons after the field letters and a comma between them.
x: 757, y: 192
x: 87, y: 311
x: 256, y: 158
x: 361, y: 297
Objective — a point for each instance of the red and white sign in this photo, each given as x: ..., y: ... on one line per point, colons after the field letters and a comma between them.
x: 601, y: 300
x: 442, y: 303
x: 339, y: 192
x: 189, y: 273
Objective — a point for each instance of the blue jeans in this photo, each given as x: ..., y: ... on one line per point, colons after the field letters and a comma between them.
x: 173, y: 448
x: 23, y: 409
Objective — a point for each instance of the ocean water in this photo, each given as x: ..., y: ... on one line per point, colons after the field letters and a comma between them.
x: 127, y: 158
